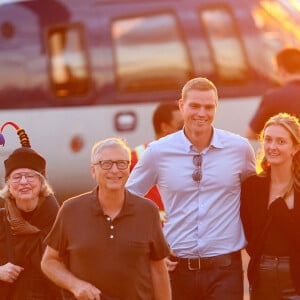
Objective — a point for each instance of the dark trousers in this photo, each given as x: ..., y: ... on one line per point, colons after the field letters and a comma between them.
x: 222, y: 280
x: 273, y: 280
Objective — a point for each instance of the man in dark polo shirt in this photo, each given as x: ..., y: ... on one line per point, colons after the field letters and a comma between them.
x: 281, y: 99
x: 108, y: 243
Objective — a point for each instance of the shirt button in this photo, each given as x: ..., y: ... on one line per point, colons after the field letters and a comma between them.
x: 111, y: 227
x: 108, y: 218
x: 111, y: 237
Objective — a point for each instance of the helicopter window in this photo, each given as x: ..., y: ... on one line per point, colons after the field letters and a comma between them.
x: 278, y: 28
x: 69, y: 69
x: 227, y: 49
x: 150, y: 54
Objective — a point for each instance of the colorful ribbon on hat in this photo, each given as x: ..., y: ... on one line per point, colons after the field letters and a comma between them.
x: 21, y: 132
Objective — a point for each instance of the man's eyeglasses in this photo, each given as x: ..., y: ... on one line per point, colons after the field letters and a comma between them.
x: 29, y: 176
x: 107, y: 164
x: 197, y: 174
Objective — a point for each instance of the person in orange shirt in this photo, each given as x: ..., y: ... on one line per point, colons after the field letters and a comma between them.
x: 166, y: 119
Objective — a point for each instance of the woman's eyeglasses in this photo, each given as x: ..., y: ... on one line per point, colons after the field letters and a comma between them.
x: 197, y: 174
x: 29, y: 177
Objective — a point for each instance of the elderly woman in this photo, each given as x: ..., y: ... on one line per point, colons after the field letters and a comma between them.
x: 28, y: 214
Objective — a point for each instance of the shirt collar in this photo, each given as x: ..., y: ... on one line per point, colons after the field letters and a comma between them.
x: 127, y: 209
x: 216, y: 141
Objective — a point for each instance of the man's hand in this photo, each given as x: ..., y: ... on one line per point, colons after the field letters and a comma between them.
x: 10, y: 272
x: 86, y: 291
x: 171, y: 262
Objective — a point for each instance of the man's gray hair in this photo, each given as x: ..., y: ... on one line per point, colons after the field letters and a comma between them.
x: 109, y: 142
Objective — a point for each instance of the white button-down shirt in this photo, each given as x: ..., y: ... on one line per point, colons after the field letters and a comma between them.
x: 203, y: 219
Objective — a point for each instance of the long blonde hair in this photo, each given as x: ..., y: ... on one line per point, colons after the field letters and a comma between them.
x: 292, y: 125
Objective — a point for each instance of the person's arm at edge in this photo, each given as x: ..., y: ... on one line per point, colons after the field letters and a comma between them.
x: 54, y: 268
x: 160, y: 279
x: 143, y: 175
x: 251, y: 134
